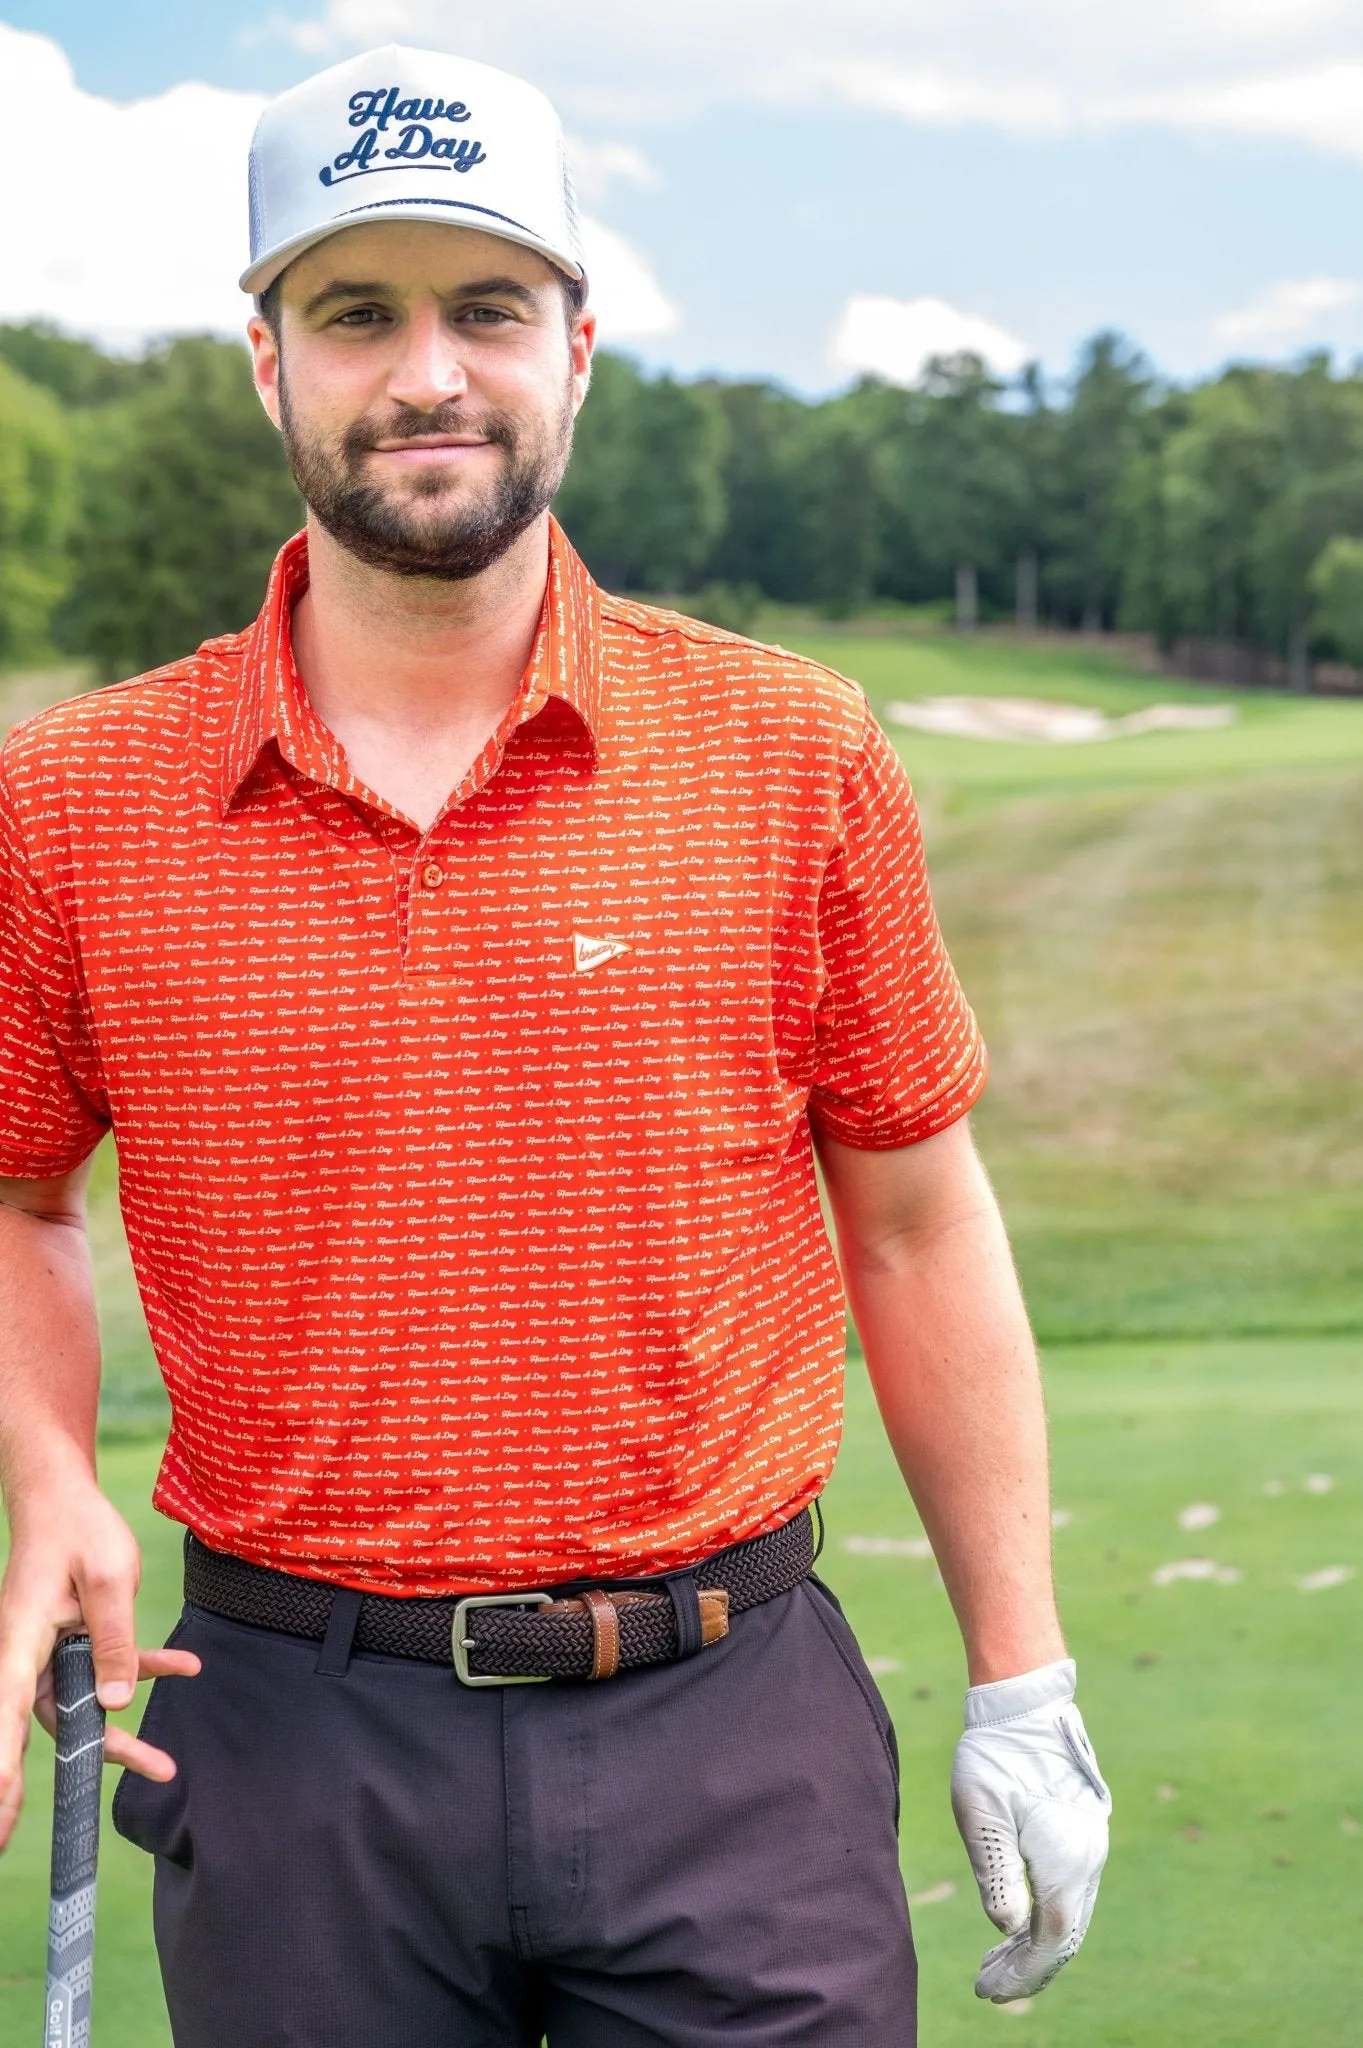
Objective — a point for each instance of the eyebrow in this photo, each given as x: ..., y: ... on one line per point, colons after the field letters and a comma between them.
x: 375, y: 288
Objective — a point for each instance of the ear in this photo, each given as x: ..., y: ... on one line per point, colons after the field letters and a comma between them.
x: 265, y: 363
x: 582, y: 345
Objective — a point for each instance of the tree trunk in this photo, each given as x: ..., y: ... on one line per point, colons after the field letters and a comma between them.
x: 967, y: 598
x: 1299, y: 656
x: 1027, y: 578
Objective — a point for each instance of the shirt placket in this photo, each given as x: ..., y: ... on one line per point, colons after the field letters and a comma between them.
x: 424, y: 893
x: 423, y: 900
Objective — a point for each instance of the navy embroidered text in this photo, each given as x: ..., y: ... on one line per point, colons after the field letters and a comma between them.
x: 416, y: 142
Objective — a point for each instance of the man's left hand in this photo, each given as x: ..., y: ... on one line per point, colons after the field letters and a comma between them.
x: 1032, y: 1809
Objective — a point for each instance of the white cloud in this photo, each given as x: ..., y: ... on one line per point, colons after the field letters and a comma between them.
x: 142, y: 226
x: 1290, y: 311
x: 897, y: 338
x: 1285, y: 69
x: 626, y: 297
x: 934, y: 99
x: 1321, y: 108
x: 599, y: 165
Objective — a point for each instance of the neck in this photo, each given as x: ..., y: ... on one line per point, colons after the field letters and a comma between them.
x: 412, y: 647
x: 414, y: 675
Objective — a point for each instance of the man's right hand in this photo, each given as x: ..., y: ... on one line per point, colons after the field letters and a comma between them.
x: 73, y: 1564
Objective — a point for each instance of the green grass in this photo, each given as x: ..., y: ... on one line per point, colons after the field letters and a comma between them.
x: 1162, y: 939
x: 1272, y: 733
x: 1235, y: 1696
x: 1218, y: 1926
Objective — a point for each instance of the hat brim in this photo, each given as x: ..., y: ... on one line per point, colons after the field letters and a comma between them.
x: 452, y: 213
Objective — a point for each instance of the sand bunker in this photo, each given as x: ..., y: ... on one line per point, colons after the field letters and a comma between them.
x: 1065, y: 725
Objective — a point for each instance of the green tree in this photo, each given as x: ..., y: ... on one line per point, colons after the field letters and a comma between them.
x: 1336, y: 582
x: 961, y: 484
x: 643, y: 498
x: 838, y: 476
x: 765, y: 539
x: 1254, y: 475
x: 1211, y: 511
x: 1035, y: 429
x: 1100, y: 435
x: 1204, y: 491
x: 1321, y: 495
x: 37, y: 502
x: 186, y: 497
x: 77, y: 372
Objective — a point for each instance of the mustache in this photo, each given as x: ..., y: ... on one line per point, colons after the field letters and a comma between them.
x: 406, y: 423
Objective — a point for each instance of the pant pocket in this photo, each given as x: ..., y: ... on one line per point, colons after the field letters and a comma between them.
x: 153, y: 1816
x: 836, y: 1627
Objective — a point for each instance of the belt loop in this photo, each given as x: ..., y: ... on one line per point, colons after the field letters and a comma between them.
x: 340, y: 1636
x: 605, y: 1616
x: 685, y: 1598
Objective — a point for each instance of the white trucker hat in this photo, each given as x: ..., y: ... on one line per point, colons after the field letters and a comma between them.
x: 401, y: 134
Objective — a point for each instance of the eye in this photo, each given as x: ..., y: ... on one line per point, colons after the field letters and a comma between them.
x: 359, y: 316
x: 487, y: 316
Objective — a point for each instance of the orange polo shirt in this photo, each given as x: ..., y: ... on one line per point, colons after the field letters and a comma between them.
x: 468, y: 1175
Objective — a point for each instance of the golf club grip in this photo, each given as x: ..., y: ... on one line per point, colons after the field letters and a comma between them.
x: 75, y: 1846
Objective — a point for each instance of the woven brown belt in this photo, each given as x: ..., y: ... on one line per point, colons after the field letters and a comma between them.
x: 516, y: 1638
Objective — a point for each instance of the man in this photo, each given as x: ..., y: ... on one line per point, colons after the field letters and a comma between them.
x: 467, y: 964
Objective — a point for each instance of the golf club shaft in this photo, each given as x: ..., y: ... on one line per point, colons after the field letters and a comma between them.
x: 75, y: 1847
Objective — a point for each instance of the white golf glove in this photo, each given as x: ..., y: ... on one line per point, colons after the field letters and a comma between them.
x: 1032, y: 1809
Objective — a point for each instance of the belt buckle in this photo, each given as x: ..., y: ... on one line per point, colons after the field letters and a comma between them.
x: 462, y: 1644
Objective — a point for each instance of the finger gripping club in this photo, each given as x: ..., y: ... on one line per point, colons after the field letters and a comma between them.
x: 75, y: 1846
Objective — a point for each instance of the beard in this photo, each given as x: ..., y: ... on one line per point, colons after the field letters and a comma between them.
x: 434, y: 527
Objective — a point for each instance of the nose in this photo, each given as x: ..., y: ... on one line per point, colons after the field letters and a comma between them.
x: 429, y: 370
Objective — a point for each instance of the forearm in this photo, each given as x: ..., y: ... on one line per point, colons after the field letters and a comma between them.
x: 942, y: 1323
x: 49, y: 1357
x: 73, y: 1562
x: 937, y: 1303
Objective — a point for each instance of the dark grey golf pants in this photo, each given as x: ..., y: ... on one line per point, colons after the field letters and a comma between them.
x: 696, y: 1854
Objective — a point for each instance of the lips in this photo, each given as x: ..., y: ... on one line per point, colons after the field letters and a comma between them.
x: 436, y: 444
x: 443, y: 450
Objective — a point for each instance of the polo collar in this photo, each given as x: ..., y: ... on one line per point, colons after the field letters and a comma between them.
x: 272, y: 705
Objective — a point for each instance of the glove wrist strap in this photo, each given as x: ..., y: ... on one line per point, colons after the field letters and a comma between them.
x: 1007, y: 1698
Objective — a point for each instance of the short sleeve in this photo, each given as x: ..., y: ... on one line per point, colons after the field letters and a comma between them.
x: 53, y: 1110
x: 898, y: 1055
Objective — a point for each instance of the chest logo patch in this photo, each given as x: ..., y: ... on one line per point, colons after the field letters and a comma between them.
x: 589, y: 952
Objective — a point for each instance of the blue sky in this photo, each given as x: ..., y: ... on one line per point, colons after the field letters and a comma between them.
x: 131, y: 49
x: 772, y: 175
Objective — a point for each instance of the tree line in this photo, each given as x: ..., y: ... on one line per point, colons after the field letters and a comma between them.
x: 141, y: 500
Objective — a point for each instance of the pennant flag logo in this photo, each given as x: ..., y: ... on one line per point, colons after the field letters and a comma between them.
x: 589, y: 952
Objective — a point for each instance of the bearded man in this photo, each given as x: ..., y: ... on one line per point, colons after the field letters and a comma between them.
x: 469, y: 966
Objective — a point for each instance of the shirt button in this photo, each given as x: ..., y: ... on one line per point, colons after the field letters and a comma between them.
x: 432, y: 876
